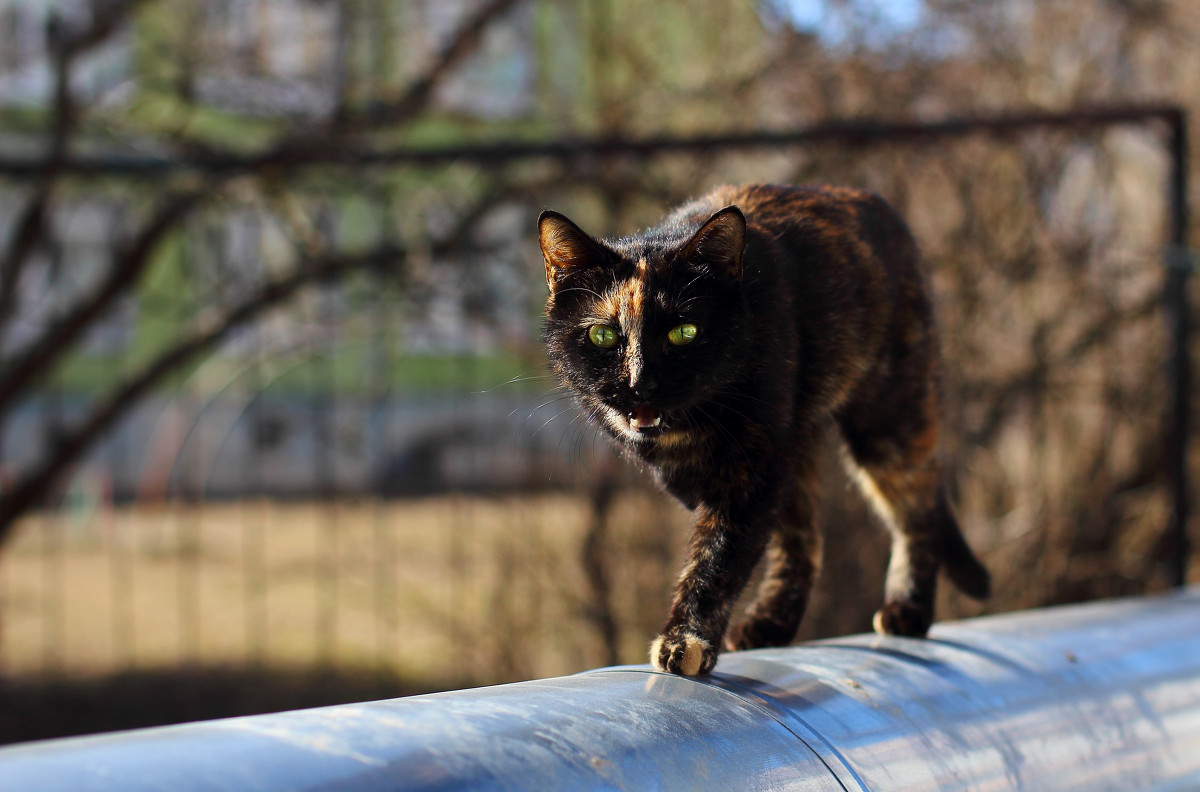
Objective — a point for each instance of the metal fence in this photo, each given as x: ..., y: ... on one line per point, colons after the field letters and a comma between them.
x: 380, y: 475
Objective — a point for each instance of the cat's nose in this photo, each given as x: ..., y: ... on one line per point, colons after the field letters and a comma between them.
x: 644, y: 388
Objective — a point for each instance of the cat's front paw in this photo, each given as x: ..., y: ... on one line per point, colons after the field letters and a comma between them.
x: 683, y: 653
x: 898, y: 617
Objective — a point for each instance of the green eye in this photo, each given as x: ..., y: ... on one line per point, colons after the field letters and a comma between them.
x: 602, y: 336
x: 684, y: 334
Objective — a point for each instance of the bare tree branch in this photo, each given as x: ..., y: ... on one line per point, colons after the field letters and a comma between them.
x: 107, y: 17
x: 39, y: 356
x: 129, y: 264
x: 66, y: 47
x: 419, y: 92
x: 105, y: 21
x: 30, y: 229
x: 309, y: 146
x: 201, y: 339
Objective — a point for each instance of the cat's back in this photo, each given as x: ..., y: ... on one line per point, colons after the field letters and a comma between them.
x: 840, y: 261
x: 815, y: 231
x: 769, y: 205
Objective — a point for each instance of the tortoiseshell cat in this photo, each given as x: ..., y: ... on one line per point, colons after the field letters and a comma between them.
x: 716, y: 346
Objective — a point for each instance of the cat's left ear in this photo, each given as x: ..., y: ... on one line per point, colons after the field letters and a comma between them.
x: 720, y: 242
x: 565, y: 247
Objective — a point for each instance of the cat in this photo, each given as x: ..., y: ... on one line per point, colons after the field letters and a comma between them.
x: 715, y: 348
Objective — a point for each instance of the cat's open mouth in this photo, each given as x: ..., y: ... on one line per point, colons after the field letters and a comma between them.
x: 639, y: 424
x: 644, y: 418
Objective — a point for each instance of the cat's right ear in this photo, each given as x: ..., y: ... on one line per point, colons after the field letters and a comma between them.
x: 565, y: 247
x: 720, y: 242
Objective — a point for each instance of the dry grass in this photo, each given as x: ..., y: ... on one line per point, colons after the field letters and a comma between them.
x: 444, y: 590
x: 482, y: 588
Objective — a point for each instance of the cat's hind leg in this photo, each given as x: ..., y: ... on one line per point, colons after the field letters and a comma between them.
x: 907, y: 501
x: 899, y: 473
x: 793, y: 561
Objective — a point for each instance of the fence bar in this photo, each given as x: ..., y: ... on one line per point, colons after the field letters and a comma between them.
x: 853, y: 132
x: 1103, y: 696
x: 1176, y: 547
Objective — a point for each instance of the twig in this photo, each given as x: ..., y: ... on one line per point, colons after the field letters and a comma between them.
x: 419, y: 92
x: 308, y: 146
x: 30, y: 229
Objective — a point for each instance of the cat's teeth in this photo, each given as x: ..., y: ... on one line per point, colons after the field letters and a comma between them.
x: 645, y: 418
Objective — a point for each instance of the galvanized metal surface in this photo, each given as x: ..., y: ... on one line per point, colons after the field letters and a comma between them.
x: 1099, y: 696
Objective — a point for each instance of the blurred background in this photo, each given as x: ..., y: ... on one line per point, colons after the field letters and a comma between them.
x: 275, y: 426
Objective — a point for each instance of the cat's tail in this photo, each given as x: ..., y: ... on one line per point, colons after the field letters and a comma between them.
x: 958, y: 560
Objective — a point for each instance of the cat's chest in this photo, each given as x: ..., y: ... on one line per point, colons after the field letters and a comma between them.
x: 694, y: 468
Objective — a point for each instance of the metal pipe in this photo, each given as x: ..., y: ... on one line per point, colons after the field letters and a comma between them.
x: 1090, y: 697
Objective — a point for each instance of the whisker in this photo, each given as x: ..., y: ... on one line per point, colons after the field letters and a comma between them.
x: 516, y: 409
x: 548, y: 420
x: 577, y: 451
x: 563, y: 436
x: 525, y: 420
x: 582, y: 289
x: 719, y: 399
x: 691, y: 283
x: 725, y: 430
x: 557, y: 398
x: 738, y: 413
x: 518, y: 378
x: 741, y: 395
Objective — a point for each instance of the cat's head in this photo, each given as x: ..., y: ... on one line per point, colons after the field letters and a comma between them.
x: 645, y: 328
